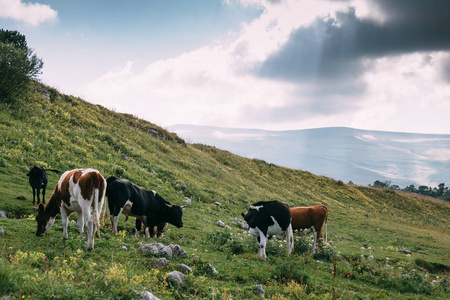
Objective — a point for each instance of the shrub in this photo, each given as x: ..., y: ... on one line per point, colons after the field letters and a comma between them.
x: 286, y: 271
x: 225, y: 241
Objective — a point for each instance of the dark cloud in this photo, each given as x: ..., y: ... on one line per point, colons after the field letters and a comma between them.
x: 336, y: 50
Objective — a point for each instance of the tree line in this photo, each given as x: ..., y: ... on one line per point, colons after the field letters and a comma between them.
x: 18, y: 65
x: 441, y: 191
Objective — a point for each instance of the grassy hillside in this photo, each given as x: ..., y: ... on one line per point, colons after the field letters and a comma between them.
x: 368, y: 228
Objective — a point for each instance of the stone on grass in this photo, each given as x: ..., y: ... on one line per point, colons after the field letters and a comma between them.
x: 176, y: 277
x: 162, y: 263
x: 148, y: 296
x: 185, y: 268
x: 260, y: 290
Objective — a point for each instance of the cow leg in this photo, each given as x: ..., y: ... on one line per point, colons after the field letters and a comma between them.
x: 38, y: 196
x: 43, y: 193
x: 262, y: 245
x: 315, y: 239
x: 290, y: 239
x: 80, y: 222
x: 138, y: 227
x: 34, y: 196
x: 114, y: 221
x: 147, y: 232
x: 160, y: 231
x: 65, y: 222
x: 90, y: 228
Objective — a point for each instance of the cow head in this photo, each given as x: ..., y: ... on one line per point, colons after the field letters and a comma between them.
x: 175, y: 213
x: 44, y: 221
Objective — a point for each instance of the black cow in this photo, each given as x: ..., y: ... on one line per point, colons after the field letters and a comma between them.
x: 147, y: 206
x: 269, y: 218
x: 38, y: 180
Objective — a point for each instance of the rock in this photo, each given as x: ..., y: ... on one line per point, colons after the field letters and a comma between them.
x: 213, y: 270
x: 124, y: 157
x: 153, y: 131
x: 178, y: 251
x: 242, y: 224
x: 159, y: 249
x: 404, y: 250
x: 220, y: 223
x: 185, y: 268
x: 148, y: 296
x: 3, y: 215
x: 2, y: 231
x: 176, y: 277
x: 218, y: 203
x: 188, y: 201
x: 162, y: 263
x: 260, y: 290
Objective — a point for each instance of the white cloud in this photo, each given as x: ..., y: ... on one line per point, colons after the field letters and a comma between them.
x: 214, y: 85
x: 30, y: 13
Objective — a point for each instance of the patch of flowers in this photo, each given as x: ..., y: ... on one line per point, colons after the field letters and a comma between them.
x: 32, y: 258
x: 403, y: 277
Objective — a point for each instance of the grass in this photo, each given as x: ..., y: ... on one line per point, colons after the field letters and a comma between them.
x: 367, y: 227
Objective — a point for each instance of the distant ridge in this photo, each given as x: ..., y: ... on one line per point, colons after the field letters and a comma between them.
x: 347, y: 154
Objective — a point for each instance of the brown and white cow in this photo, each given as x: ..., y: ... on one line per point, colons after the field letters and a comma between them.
x: 80, y: 191
x: 311, y: 218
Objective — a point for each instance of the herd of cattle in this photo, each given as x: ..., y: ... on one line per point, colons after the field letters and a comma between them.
x: 84, y: 190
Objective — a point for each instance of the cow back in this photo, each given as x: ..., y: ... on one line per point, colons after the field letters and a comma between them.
x: 309, y: 216
x: 260, y: 214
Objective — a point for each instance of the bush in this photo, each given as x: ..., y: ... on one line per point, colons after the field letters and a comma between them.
x: 286, y: 271
x: 225, y: 241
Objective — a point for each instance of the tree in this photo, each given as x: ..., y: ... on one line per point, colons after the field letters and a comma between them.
x: 384, y: 184
x: 18, y: 64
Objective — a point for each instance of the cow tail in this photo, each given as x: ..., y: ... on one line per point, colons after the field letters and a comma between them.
x: 96, y: 212
x: 105, y: 212
x: 325, y: 228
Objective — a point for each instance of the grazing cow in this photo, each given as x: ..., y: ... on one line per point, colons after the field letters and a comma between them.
x: 269, y: 218
x: 311, y: 218
x: 79, y: 191
x: 147, y: 206
x: 38, y: 179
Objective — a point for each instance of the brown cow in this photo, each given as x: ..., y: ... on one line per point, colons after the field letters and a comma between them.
x: 80, y: 191
x: 311, y: 218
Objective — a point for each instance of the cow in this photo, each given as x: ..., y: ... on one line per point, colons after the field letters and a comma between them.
x: 38, y: 180
x: 80, y: 191
x: 269, y: 218
x: 313, y: 218
x: 147, y: 206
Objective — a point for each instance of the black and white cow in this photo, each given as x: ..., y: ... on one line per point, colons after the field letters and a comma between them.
x: 269, y: 218
x: 38, y: 180
x: 147, y: 206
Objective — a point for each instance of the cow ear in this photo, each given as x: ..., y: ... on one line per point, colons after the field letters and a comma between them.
x: 243, y: 215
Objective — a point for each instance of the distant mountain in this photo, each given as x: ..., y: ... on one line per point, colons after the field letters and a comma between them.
x: 346, y: 154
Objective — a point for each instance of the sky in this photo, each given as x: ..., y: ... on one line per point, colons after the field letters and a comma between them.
x: 263, y: 64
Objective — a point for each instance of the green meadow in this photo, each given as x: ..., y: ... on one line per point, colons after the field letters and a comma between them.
x: 382, y: 244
